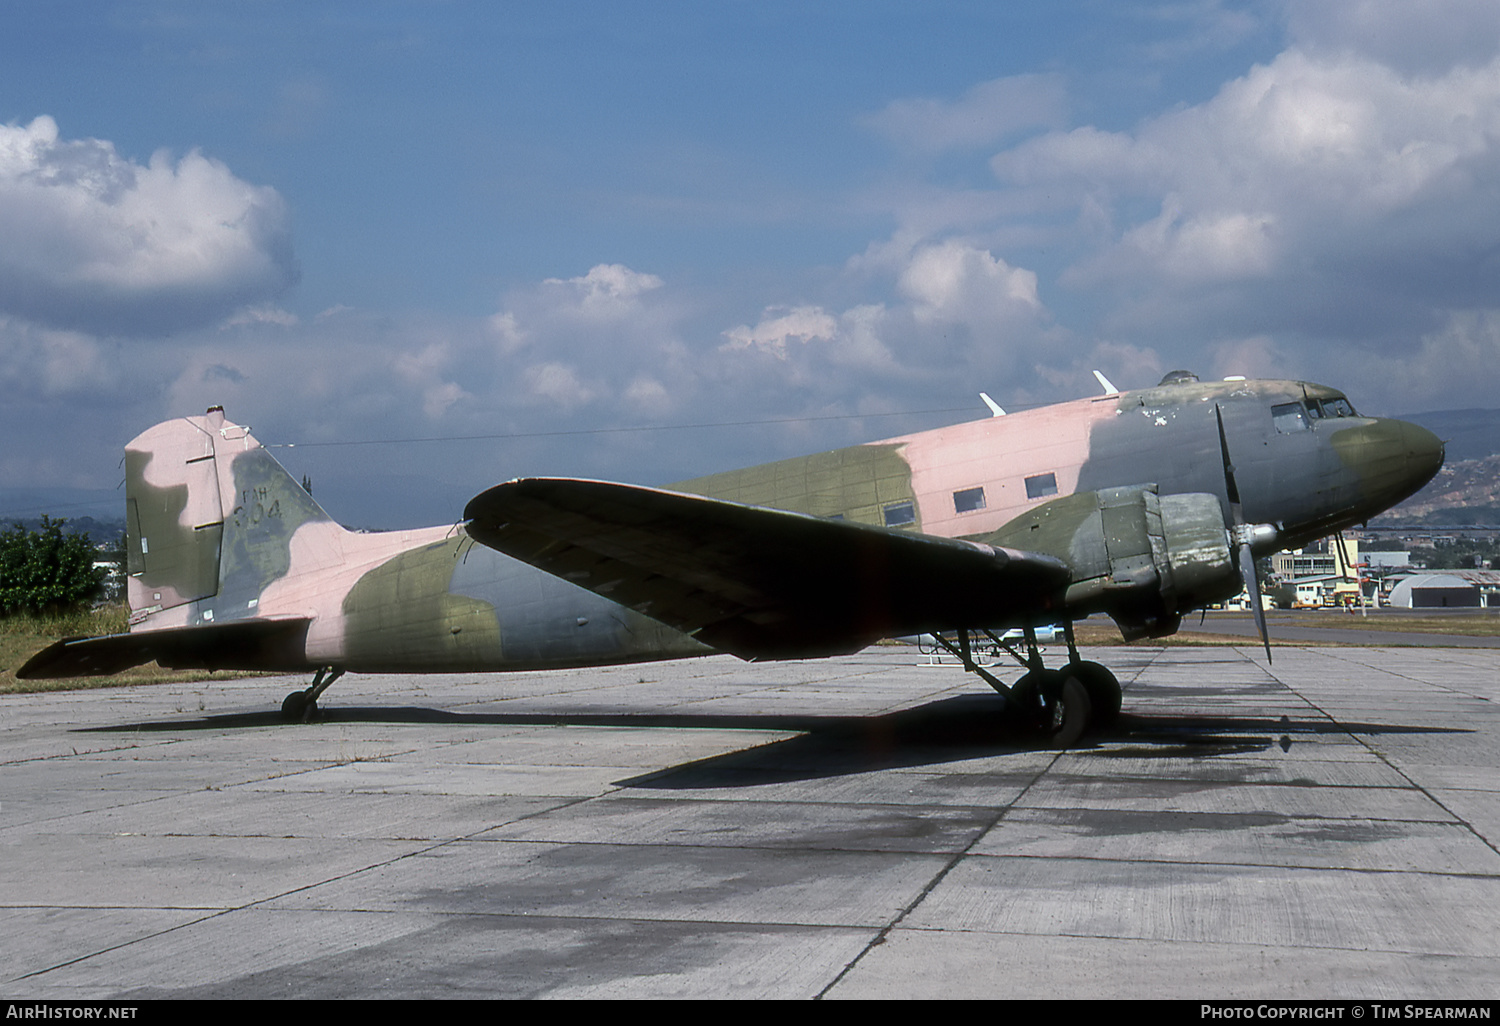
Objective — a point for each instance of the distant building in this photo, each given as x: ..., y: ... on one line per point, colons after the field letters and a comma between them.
x: 1310, y: 578
x: 1309, y: 562
x: 1449, y: 589
x: 1313, y: 593
x: 1387, y: 560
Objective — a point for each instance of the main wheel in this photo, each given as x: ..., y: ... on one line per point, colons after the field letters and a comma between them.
x: 1027, y: 703
x: 1103, y: 689
x: 1067, y: 714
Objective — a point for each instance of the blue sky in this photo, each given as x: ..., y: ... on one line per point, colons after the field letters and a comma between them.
x: 540, y: 226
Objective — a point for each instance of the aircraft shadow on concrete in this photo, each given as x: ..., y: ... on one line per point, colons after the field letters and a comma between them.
x: 965, y: 727
x: 951, y: 729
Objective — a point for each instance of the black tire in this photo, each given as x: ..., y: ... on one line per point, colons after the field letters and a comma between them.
x: 1103, y: 688
x: 1026, y: 703
x: 294, y: 707
x: 1068, y: 714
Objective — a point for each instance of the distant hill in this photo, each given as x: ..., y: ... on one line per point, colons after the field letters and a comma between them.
x: 99, y: 531
x: 97, y: 512
x: 1466, y: 492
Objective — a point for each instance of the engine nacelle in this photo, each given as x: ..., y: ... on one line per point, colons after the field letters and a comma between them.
x: 1143, y: 558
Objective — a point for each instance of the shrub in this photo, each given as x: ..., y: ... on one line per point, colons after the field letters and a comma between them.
x: 46, y: 571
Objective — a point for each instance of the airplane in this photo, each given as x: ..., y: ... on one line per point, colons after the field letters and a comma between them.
x: 1142, y: 505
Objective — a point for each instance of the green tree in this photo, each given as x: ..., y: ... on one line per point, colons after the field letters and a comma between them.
x: 46, y: 571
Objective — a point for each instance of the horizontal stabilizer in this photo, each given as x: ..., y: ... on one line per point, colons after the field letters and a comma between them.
x: 758, y: 582
x: 244, y: 645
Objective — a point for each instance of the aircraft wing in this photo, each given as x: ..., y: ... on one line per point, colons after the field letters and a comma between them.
x: 757, y: 582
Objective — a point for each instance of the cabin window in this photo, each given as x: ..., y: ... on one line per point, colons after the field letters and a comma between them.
x: 1289, y: 418
x: 1040, y: 485
x: 898, y: 514
x: 968, y: 500
x: 1339, y: 407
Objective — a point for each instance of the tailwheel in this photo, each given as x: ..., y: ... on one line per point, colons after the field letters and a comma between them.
x: 302, y: 706
x: 296, y: 706
x: 1103, y: 690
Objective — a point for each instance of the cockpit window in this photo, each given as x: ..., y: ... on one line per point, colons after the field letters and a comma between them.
x: 1289, y: 418
x: 1292, y: 417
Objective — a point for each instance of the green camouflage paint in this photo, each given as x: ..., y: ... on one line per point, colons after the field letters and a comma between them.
x: 403, y: 614
x: 269, y: 507
x: 175, y: 562
x: 857, y: 483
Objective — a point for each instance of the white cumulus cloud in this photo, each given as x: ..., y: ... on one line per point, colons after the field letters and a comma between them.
x: 957, y: 282
x: 1413, y: 36
x: 558, y: 384
x: 583, y: 341
x: 802, y: 324
x: 93, y: 241
x: 607, y: 288
x: 1321, y: 189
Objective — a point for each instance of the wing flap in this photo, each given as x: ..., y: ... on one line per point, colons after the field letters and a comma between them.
x: 758, y: 582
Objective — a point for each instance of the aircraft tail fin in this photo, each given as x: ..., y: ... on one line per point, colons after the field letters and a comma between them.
x: 209, y: 520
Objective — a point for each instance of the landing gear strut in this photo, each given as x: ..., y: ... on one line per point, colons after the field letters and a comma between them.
x: 302, y: 706
x: 1058, y: 705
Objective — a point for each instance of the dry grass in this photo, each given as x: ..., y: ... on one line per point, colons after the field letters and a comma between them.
x: 1103, y: 633
x: 1476, y: 625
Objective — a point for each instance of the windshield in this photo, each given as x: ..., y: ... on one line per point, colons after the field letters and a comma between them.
x: 1291, y: 417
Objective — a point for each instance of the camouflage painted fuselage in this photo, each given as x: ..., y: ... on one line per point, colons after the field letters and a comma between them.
x: 219, y: 534
x: 970, y: 480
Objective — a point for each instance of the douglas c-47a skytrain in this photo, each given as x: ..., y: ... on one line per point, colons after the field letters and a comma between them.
x: 1142, y: 505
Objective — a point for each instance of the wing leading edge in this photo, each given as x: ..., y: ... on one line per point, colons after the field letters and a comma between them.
x: 757, y: 582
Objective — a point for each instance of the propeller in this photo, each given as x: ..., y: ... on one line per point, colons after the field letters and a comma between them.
x: 1243, y: 534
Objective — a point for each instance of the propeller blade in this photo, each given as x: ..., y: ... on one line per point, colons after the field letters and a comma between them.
x: 1242, y: 535
x: 1251, y: 578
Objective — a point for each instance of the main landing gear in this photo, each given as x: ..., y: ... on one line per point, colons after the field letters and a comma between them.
x: 1058, y: 705
x: 302, y: 706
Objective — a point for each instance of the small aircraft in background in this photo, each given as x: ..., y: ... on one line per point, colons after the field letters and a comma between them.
x: 1143, y: 505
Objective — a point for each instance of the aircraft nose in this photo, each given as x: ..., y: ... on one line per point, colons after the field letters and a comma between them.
x: 1393, y: 458
x: 1424, y: 452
